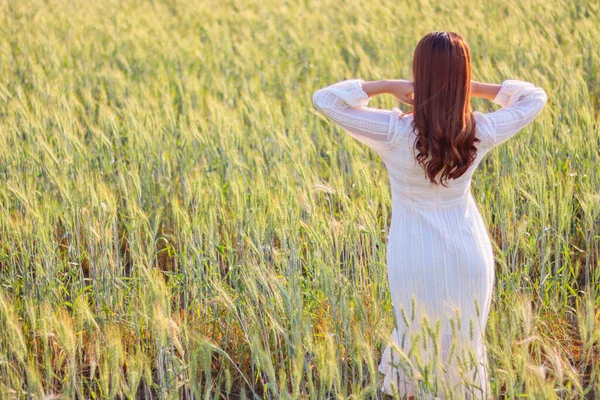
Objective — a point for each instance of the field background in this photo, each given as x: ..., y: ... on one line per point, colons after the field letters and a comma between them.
x: 178, y: 221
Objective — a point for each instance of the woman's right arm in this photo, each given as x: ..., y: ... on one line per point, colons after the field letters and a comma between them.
x: 484, y: 90
x: 521, y: 102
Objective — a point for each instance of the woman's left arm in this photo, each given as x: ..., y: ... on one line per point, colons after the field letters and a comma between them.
x: 345, y: 103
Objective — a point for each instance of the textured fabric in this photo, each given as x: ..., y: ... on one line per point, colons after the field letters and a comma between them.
x: 439, y: 255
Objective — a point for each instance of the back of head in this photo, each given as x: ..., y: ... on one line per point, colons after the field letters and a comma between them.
x: 443, y: 119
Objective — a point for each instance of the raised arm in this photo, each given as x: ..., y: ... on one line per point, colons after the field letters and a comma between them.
x: 345, y: 103
x: 521, y: 102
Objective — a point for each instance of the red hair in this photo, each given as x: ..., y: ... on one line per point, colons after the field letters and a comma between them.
x: 442, y: 108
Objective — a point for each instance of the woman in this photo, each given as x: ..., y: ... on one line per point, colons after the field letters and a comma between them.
x: 440, y: 261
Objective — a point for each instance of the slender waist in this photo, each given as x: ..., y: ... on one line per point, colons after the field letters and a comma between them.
x: 432, y: 200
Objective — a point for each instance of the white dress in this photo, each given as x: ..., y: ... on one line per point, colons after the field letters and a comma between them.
x: 439, y: 254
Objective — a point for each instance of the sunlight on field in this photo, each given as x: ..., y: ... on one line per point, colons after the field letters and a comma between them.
x: 177, y: 219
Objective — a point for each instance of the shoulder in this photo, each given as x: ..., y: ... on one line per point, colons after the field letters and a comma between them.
x: 400, y: 124
x: 400, y: 127
x: 484, y: 128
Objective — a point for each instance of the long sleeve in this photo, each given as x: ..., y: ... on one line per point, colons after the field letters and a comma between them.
x: 345, y: 103
x: 521, y: 102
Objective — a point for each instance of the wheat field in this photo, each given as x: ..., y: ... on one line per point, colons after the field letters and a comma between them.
x: 178, y: 221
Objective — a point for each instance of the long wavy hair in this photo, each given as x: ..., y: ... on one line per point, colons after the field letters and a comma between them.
x: 442, y: 107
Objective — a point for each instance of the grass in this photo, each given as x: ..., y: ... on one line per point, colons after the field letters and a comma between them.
x: 178, y: 221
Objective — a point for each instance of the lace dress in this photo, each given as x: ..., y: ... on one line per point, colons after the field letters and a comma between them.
x: 440, y: 262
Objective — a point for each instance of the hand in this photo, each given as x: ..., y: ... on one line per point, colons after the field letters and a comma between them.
x: 403, y: 90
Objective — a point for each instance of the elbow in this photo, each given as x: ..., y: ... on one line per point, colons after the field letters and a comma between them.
x: 321, y: 102
x: 543, y: 96
x: 537, y: 98
x: 541, y: 100
x: 316, y: 99
x: 324, y: 102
